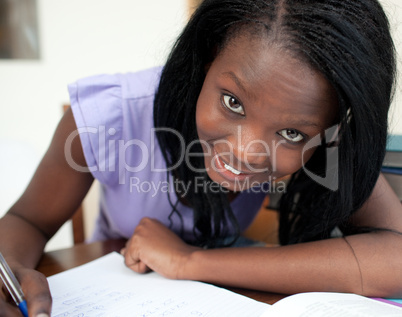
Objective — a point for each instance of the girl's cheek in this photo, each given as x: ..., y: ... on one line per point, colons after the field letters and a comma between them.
x: 209, y: 120
x: 286, y: 162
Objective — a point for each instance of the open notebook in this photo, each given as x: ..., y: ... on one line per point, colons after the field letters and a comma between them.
x: 105, y: 287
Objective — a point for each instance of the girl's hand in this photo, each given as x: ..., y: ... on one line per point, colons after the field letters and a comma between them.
x: 155, y: 247
x: 36, y: 290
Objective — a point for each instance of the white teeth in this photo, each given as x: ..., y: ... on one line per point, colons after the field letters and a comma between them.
x: 229, y: 168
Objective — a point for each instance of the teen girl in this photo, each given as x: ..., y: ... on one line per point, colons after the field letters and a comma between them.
x: 252, y: 92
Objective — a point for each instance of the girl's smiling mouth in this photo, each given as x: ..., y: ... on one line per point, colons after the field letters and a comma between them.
x: 232, y: 169
x: 230, y: 173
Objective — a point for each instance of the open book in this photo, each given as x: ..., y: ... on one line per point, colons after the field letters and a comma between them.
x: 332, y: 305
x: 105, y: 287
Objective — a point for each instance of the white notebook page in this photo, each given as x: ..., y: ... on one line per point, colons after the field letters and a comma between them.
x: 106, y: 287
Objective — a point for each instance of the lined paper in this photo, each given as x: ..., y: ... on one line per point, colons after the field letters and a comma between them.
x: 106, y: 287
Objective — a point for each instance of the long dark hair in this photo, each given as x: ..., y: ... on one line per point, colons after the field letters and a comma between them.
x: 349, y: 42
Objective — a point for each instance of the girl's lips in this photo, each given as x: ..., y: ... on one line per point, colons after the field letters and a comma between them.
x: 228, y: 172
x: 232, y: 169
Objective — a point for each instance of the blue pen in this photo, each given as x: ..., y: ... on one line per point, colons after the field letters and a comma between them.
x: 12, y: 285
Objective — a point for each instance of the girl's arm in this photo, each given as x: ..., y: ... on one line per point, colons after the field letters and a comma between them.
x: 51, y: 198
x: 367, y: 264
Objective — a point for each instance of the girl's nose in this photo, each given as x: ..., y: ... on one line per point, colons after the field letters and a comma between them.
x: 251, y: 147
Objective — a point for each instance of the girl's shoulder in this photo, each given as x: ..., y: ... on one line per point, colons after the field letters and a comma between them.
x: 140, y: 84
x: 129, y: 85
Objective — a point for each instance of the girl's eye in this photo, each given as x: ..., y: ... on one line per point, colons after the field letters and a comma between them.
x: 232, y: 104
x: 292, y: 135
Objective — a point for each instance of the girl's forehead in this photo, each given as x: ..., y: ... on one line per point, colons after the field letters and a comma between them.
x: 266, y: 74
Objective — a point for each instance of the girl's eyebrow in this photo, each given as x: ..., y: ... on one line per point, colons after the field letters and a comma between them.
x: 236, y: 79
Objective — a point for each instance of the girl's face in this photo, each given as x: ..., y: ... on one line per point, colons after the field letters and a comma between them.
x: 257, y: 109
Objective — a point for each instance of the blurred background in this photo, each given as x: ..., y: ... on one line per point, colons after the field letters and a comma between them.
x: 47, y: 44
